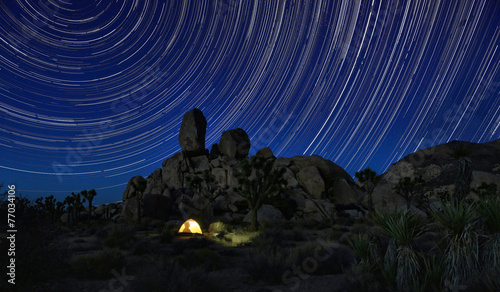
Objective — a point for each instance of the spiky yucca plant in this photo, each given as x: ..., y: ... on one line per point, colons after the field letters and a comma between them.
x: 461, y: 254
x: 489, y: 209
x: 403, y: 227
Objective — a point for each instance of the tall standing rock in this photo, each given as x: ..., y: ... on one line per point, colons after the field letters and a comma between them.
x: 235, y: 143
x: 192, y: 133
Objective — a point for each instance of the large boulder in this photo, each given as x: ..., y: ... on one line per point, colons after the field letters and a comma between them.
x: 265, y: 153
x: 129, y: 211
x: 200, y: 164
x: 266, y: 213
x: 130, y: 189
x: 192, y: 133
x: 343, y: 193
x: 155, y: 185
x: 235, y: 143
x: 173, y: 169
x: 311, y: 181
x: 438, y: 170
x: 157, y: 206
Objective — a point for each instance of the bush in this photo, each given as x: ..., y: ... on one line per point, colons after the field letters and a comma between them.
x: 329, y: 258
x: 122, y: 239
x: 169, y: 276
x: 97, y: 266
x: 269, y: 264
x: 219, y: 228
x: 205, y: 257
x: 461, y: 255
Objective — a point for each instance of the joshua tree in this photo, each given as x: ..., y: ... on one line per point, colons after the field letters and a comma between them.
x: 139, y: 189
x: 89, y: 196
x: 70, y: 200
x: 369, y: 179
x: 2, y: 194
x: 258, y: 182
x: 205, y: 189
x: 77, y: 204
x: 406, y: 188
x: 464, y: 175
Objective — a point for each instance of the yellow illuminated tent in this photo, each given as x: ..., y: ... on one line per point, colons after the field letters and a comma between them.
x: 190, y: 226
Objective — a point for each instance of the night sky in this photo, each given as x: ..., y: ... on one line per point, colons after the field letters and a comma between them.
x: 93, y: 92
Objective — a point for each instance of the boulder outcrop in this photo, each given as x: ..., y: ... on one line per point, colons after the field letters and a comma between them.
x: 192, y: 133
x: 438, y: 170
x: 204, y: 185
x: 235, y: 143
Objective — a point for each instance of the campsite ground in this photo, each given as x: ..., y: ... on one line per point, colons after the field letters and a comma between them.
x: 109, y: 256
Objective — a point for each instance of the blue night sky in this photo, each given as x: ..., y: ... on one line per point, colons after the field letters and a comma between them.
x: 93, y: 92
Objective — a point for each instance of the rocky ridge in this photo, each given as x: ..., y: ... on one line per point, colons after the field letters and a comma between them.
x: 312, y: 182
x: 438, y: 170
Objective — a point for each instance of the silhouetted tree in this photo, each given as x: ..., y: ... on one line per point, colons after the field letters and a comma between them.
x: 89, y: 196
x: 369, y: 179
x: 464, y: 174
x: 69, y: 201
x: 258, y: 182
x: 406, y: 188
x: 206, y: 192
x: 78, y: 205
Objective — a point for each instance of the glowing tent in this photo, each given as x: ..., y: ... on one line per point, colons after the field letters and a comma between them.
x: 190, y: 226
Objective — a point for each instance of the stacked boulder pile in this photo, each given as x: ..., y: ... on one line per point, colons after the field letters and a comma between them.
x: 312, y: 183
x: 439, y: 171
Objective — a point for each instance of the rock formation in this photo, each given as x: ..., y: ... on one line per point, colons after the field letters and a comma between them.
x: 235, y: 143
x: 438, y: 170
x: 192, y: 133
x: 195, y: 183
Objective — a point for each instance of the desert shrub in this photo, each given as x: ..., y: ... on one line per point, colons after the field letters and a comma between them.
x: 270, y: 238
x: 328, y: 258
x: 403, y: 227
x: 269, y: 264
x: 486, y: 281
x: 432, y: 273
x: 489, y: 209
x: 97, y: 266
x: 220, y: 228
x: 144, y: 246
x: 169, y: 276
x: 205, y: 257
x: 461, y: 254
x: 40, y: 257
x: 120, y: 238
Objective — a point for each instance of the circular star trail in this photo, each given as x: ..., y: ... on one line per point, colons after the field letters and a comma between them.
x: 93, y: 92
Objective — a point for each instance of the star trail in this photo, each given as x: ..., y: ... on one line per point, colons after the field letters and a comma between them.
x: 93, y: 92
